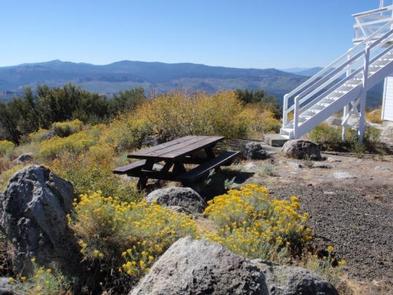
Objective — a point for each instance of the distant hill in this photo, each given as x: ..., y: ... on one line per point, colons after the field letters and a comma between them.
x: 153, y: 76
x: 303, y: 71
x: 156, y: 77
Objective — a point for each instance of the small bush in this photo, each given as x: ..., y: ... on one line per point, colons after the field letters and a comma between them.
x: 329, y: 138
x: 266, y: 169
x: 121, y: 240
x: 6, y: 148
x: 253, y: 224
x: 64, y: 129
x: 327, y: 266
x: 127, y: 133
x: 91, y: 171
x: 74, y: 144
x: 44, y: 281
x: 260, y: 121
x: 40, y: 135
x: 374, y: 116
x: 6, y: 175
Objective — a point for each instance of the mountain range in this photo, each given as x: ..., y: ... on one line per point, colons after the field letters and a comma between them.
x: 154, y: 77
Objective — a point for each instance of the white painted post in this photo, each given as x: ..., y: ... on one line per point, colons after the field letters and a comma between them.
x: 346, y: 108
x: 296, y: 116
x: 362, y: 105
x: 284, y: 111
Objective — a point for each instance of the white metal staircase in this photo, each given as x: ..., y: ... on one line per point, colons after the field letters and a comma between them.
x: 343, y: 84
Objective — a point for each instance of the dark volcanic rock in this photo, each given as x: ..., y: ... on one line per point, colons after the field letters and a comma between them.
x: 23, y: 158
x: 33, y: 213
x: 254, y: 151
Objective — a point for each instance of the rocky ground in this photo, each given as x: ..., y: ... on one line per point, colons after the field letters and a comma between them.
x: 350, y: 201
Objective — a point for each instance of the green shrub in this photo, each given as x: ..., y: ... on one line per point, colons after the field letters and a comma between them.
x: 74, y: 144
x: 128, y: 133
x: 6, y: 148
x: 329, y: 138
x: 39, y: 135
x: 91, y: 171
x: 374, y: 116
x: 64, y: 129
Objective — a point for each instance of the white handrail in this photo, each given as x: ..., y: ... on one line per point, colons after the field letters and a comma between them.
x: 329, y: 74
x: 314, y: 77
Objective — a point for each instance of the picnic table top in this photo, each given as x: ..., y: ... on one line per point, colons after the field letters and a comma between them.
x: 176, y: 148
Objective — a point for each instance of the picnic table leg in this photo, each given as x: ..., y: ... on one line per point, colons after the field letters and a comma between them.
x: 165, y: 169
x: 143, y: 179
x: 179, y: 168
x: 210, y: 153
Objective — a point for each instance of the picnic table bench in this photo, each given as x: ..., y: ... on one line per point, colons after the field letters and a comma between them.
x: 174, y: 154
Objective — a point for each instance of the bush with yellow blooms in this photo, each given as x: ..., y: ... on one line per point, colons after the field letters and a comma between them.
x: 253, y: 224
x: 123, y: 239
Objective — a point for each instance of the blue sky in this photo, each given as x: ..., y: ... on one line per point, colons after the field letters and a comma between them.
x: 237, y: 33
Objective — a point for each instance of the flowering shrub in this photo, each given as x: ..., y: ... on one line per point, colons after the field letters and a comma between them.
x: 91, y: 171
x: 253, y: 224
x: 176, y: 114
x: 44, y: 281
x: 123, y: 239
x: 64, y: 129
x: 127, y: 132
x: 75, y: 144
x: 6, y: 147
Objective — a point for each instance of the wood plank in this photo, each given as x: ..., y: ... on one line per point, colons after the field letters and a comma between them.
x: 204, y: 169
x: 204, y: 142
x: 178, y: 150
x: 176, y: 146
x: 127, y: 168
x: 161, y: 146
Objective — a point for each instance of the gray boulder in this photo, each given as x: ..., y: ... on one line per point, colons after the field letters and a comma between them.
x: 183, y: 199
x: 23, y: 158
x: 6, y: 287
x: 33, y: 213
x: 254, y: 151
x: 200, y: 267
x: 291, y: 280
x: 302, y: 150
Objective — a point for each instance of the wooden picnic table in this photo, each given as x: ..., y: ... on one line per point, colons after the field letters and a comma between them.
x: 174, y: 154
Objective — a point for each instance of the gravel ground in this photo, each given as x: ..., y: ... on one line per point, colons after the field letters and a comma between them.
x: 350, y: 202
x: 360, y: 229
